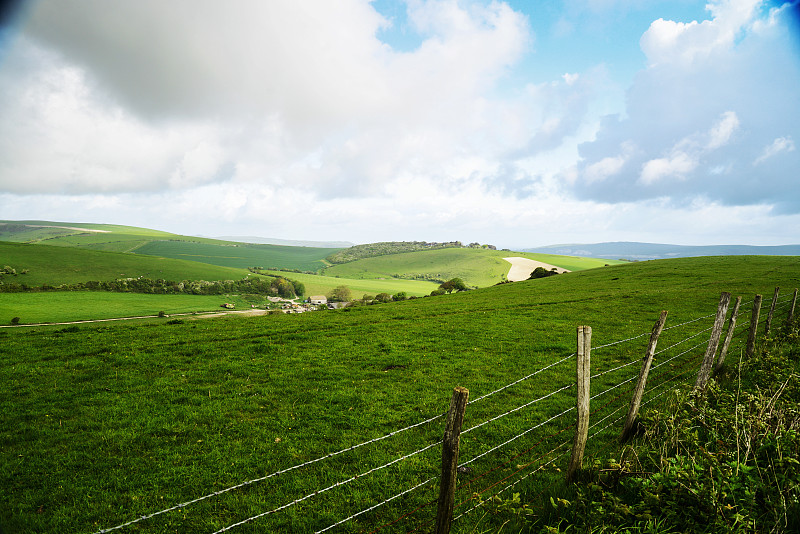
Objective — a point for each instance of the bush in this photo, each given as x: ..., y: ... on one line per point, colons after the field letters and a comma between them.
x: 541, y: 272
x: 15, y: 321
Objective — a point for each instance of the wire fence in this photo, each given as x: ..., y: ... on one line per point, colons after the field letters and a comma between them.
x: 503, y: 447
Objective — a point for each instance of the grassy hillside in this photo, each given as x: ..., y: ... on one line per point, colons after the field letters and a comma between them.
x: 102, y: 425
x: 117, y: 238
x: 241, y: 255
x: 477, y: 267
x: 62, y: 265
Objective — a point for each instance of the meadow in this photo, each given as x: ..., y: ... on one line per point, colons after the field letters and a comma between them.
x: 477, y: 267
x: 241, y: 255
x: 65, y: 306
x: 54, y: 266
x: 101, y: 425
x: 322, y: 285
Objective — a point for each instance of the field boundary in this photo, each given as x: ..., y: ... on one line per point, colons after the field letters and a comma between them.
x: 484, y: 472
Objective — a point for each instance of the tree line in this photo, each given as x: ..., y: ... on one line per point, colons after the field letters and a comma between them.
x: 261, y: 285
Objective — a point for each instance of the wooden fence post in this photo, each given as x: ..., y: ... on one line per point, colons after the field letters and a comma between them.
x: 790, y: 318
x: 452, y: 433
x: 636, y: 400
x: 713, y: 343
x: 751, y: 337
x: 583, y: 369
x: 771, y: 311
x: 728, y: 336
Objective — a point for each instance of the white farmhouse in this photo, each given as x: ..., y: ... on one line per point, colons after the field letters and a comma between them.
x: 318, y: 299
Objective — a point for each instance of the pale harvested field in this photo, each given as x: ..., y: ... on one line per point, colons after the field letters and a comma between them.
x: 521, y: 268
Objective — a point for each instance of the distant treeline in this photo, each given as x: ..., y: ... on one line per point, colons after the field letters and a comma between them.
x: 261, y: 285
x: 358, y: 252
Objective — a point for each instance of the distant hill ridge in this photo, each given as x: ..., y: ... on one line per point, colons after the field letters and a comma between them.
x: 285, y: 242
x: 652, y: 251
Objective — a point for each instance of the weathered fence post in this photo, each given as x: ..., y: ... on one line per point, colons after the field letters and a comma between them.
x: 771, y: 311
x: 728, y: 336
x: 713, y: 342
x: 751, y: 337
x: 452, y: 433
x: 583, y: 368
x: 790, y: 318
x: 636, y: 400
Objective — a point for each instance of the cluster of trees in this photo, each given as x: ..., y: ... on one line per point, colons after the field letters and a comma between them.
x: 380, y: 298
x: 273, y: 286
x: 340, y: 294
x: 454, y: 284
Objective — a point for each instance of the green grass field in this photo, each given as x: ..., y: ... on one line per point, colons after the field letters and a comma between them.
x: 66, y: 265
x: 241, y: 255
x: 477, y: 267
x: 322, y: 285
x: 101, y: 425
x: 64, y: 306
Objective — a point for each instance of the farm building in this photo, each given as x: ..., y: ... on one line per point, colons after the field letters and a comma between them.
x: 318, y: 299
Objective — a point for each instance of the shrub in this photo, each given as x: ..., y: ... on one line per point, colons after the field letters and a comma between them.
x: 15, y: 320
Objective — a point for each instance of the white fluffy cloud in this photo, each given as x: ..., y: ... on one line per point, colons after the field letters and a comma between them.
x: 717, y: 97
x: 150, y: 96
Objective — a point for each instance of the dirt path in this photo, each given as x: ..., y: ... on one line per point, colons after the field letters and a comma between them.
x: 521, y: 268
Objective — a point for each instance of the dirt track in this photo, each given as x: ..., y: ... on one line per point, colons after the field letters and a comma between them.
x: 521, y: 268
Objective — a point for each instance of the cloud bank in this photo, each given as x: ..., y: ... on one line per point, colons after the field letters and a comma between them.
x: 706, y: 118
x: 277, y: 116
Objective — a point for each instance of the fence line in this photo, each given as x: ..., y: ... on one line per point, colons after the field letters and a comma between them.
x: 779, y: 304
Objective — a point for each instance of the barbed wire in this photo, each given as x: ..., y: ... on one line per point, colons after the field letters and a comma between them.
x: 689, y: 322
x: 522, y: 379
x: 518, y: 408
x: 517, y: 436
x: 653, y: 368
x: 598, y: 375
x: 620, y: 341
x: 682, y: 341
x: 520, y: 479
x: 332, y: 486
x: 393, y: 497
x: 613, y: 387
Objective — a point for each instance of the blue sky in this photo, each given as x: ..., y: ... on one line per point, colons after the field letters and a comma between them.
x: 517, y: 123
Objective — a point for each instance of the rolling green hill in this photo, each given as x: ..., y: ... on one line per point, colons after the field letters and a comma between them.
x: 103, y: 425
x: 55, y: 265
x: 241, y: 255
x: 164, y: 244
x: 477, y: 267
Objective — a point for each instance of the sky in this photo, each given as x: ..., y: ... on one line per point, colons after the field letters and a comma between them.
x: 516, y: 123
